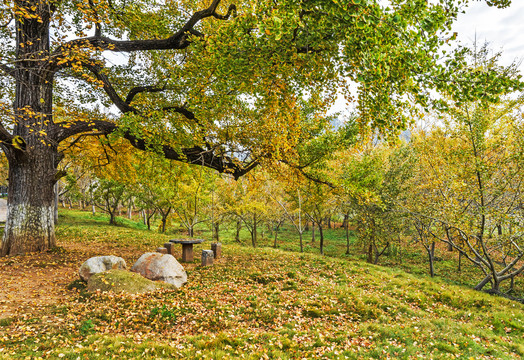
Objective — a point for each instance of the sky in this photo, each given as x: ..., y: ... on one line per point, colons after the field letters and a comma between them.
x: 503, y: 29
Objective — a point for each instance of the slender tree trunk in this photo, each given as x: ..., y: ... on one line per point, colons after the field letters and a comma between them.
x: 149, y: 216
x: 112, y: 217
x: 239, y: 227
x: 277, y: 226
x: 55, y: 205
x: 431, y: 256
x: 346, y: 226
x: 164, y: 221
x: 370, y: 253
x: 321, y: 239
x: 345, y: 221
x: 312, y: 232
x: 216, y: 226
x: 301, y: 242
x: 254, y: 232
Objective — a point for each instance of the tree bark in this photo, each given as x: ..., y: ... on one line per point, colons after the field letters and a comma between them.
x: 431, y: 257
x: 239, y: 227
x: 55, y: 205
x: 30, y: 222
x: 346, y: 226
x: 33, y: 161
x: 321, y: 239
x: 216, y: 227
x: 254, y: 232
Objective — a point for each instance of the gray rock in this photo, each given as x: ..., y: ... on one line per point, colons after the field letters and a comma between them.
x: 100, y: 264
x: 124, y: 281
x: 163, y: 267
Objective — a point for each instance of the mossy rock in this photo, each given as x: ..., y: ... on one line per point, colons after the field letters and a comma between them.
x: 124, y: 281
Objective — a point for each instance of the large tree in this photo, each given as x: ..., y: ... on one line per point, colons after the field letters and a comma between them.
x: 198, y: 81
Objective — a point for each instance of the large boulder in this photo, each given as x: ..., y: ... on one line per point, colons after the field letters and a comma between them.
x: 163, y: 267
x: 124, y: 281
x: 100, y: 264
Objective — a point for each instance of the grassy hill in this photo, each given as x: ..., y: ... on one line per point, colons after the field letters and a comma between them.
x: 257, y: 303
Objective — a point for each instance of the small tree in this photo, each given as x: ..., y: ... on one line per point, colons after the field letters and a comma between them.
x: 374, y: 183
x: 107, y: 195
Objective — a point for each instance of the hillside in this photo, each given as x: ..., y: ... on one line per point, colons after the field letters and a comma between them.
x: 254, y: 303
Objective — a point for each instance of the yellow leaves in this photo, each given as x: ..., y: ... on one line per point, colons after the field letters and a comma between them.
x: 18, y: 143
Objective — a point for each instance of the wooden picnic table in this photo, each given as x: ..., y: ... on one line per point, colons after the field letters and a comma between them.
x: 187, y: 247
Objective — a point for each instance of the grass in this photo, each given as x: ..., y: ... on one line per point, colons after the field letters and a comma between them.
x: 267, y: 303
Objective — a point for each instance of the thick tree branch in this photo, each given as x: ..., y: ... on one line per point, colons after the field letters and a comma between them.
x: 194, y: 155
x: 140, y: 89
x: 124, y: 105
x: 8, y: 70
x: 5, y: 137
x: 179, y: 40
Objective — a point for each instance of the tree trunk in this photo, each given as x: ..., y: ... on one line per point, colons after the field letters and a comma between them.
x: 346, y: 226
x: 149, y: 216
x: 93, y: 207
x: 312, y: 232
x: 33, y: 162
x: 216, y: 226
x: 321, y: 239
x: 431, y: 256
x: 370, y: 253
x: 112, y: 218
x: 239, y: 227
x: 254, y: 232
x: 164, y: 221
x: 55, y: 205
x: 301, y: 242
x: 30, y: 222
x: 277, y: 226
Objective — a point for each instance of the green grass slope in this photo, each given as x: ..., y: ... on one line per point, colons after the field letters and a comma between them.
x: 267, y: 303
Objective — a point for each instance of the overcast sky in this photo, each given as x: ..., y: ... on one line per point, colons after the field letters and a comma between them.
x: 502, y: 28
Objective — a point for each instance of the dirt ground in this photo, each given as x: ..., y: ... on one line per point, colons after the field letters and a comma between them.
x: 29, y: 282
